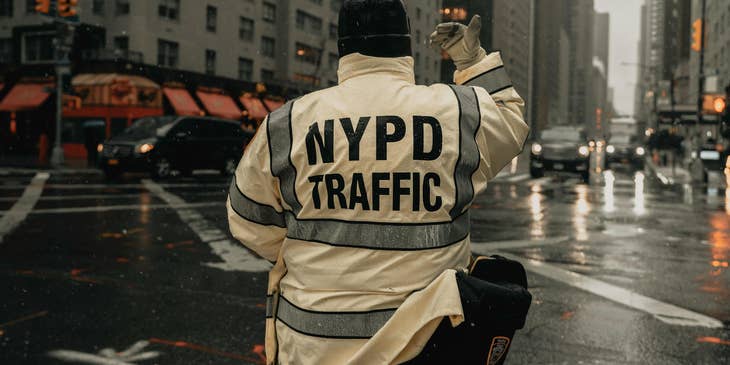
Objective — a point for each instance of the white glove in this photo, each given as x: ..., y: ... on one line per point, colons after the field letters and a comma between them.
x: 461, y: 42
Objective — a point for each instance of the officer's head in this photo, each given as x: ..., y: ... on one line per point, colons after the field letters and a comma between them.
x: 378, y: 28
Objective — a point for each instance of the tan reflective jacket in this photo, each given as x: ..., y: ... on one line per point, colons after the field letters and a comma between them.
x: 360, y: 194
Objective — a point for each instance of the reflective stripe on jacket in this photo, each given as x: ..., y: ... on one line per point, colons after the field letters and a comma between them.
x: 360, y: 194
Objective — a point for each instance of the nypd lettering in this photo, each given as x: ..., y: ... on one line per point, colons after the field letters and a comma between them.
x: 374, y: 191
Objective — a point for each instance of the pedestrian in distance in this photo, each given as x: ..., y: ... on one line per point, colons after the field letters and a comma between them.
x: 359, y: 196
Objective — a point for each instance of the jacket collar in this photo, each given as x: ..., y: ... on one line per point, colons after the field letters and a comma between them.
x: 356, y: 65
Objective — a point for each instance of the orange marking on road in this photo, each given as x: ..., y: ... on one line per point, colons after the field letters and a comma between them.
x: 122, y: 260
x: 208, y: 350
x: 260, y: 305
x: 112, y: 235
x: 259, y: 350
x: 23, y: 319
x: 77, y: 272
x: 170, y: 246
x: 567, y: 315
x: 714, y: 340
x: 25, y: 272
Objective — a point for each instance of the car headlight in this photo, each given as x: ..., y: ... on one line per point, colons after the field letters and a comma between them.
x: 99, y: 148
x: 583, y: 151
x: 610, y: 149
x: 640, y: 151
x: 536, y: 148
x: 144, y: 148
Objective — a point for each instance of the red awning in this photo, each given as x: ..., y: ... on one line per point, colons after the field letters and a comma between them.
x: 25, y: 97
x: 181, y: 101
x: 254, y: 106
x: 219, y: 105
x: 272, y: 104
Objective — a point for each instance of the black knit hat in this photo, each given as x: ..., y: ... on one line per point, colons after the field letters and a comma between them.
x: 378, y: 28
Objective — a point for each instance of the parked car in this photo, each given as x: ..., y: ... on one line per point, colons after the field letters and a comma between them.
x: 625, y: 150
x: 562, y: 150
x: 161, y: 145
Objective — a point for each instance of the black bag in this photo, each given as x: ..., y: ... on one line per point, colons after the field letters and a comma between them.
x: 495, y: 300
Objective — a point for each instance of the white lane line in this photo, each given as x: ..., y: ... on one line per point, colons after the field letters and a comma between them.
x: 488, y: 248
x: 235, y: 257
x: 108, y: 356
x: 109, y: 196
x: 665, y: 312
x: 111, y: 208
x: 518, y: 178
x: 17, y: 214
x: 541, y: 181
x: 115, y: 186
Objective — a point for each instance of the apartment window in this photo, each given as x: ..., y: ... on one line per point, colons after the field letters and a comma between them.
x: 268, y: 47
x: 121, y: 42
x: 97, y: 7
x: 6, y: 50
x: 267, y: 75
x: 167, y: 53
x: 210, y: 62
x: 169, y: 9
x: 308, y: 23
x: 6, y: 8
x: 307, y: 54
x: 38, y: 47
x: 335, y: 5
x: 121, y: 7
x: 307, y: 79
x: 418, y: 13
x: 334, y: 61
x: 418, y: 37
x: 245, y: 29
x: 269, y: 12
x: 30, y: 6
x: 318, y: 2
x: 245, y: 69
x: 333, y: 31
x: 211, y: 18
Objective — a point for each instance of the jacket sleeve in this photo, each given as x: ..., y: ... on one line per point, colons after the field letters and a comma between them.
x: 502, y: 132
x: 255, y: 214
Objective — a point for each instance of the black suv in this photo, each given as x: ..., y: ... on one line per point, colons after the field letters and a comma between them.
x: 162, y: 145
x: 625, y: 150
x: 561, y: 149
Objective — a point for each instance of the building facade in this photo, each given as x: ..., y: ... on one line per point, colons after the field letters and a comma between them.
x: 290, y: 42
x: 551, y: 72
x: 717, y: 48
x: 505, y: 28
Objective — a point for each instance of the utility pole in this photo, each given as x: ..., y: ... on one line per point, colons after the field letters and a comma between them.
x: 701, y: 76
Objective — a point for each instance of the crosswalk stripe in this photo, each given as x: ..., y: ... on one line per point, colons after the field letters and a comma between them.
x: 17, y: 214
x: 665, y: 312
x: 234, y: 256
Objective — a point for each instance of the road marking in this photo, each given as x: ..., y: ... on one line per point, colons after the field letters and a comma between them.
x: 235, y: 257
x: 488, y: 248
x: 108, y: 196
x: 23, y: 319
x: 667, y: 313
x: 518, y: 178
x: 108, y: 356
x: 110, y: 208
x: 17, y: 214
x: 116, y: 186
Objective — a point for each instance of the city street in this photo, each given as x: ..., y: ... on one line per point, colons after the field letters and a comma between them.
x: 626, y: 270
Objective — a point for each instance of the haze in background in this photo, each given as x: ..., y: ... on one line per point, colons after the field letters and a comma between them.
x: 625, y: 33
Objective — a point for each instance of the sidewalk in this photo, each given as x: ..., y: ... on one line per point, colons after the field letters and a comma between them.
x: 670, y: 175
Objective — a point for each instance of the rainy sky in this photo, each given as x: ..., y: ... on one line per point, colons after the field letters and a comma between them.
x: 625, y: 24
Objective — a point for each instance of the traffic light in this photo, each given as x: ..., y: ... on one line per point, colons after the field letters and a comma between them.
x: 43, y: 6
x: 67, y: 8
x: 697, y: 35
x: 719, y: 104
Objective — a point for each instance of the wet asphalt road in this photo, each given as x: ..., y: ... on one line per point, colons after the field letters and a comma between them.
x: 625, y: 270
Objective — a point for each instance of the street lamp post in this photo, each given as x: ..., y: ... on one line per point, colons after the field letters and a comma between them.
x: 701, y: 76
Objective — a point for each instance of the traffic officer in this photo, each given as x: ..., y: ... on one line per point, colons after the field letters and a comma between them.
x: 359, y: 194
